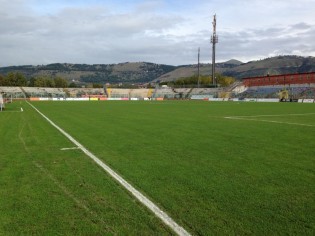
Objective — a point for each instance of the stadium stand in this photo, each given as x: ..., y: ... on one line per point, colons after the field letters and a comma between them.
x: 298, y: 91
x: 12, y: 92
x: 183, y: 93
x: 292, y: 86
x: 84, y: 92
x: 43, y: 92
x: 304, y: 92
x: 35, y: 92
x: 140, y: 93
x: 164, y: 92
x: 203, y: 93
x: 260, y: 92
x: 118, y: 93
x: 200, y: 96
x: 289, y: 86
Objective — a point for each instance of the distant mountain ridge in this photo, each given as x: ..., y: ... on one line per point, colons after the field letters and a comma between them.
x: 144, y: 72
x: 272, y: 66
x: 138, y: 72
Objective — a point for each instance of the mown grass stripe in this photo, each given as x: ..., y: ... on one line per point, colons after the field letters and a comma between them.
x: 138, y: 195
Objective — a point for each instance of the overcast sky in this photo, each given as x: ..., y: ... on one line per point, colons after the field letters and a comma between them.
x: 35, y: 32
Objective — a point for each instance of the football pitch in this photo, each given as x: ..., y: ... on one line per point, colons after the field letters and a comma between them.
x: 214, y: 167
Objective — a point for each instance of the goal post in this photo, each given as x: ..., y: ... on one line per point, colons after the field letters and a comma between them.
x: 1, y: 103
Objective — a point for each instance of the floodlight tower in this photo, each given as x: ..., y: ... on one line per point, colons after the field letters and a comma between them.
x: 198, y: 67
x: 214, y: 41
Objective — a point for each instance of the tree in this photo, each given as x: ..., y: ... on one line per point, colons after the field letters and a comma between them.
x: 20, y: 79
x: 39, y: 82
x: 95, y: 85
x: 31, y: 82
x: 3, y: 81
x: 192, y: 80
x: 44, y: 82
x: 72, y: 85
x: 224, y: 81
x: 16, y: 79
x: 49, y: 83
x: 60, y: 82
x: 10, y: 79
x: 204, y: 80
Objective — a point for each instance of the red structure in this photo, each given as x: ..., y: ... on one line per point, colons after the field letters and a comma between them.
x: 287, y: 79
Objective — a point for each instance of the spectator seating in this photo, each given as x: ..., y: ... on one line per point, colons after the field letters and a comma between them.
x: 43, y: 92
x: 304, y: 91
x: 84, y: 92
x: 15, y: 92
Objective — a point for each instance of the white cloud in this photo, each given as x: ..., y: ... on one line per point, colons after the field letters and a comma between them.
x: 41, y: 32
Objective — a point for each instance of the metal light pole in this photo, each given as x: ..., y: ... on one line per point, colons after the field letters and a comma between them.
x: 214, y: 40
x: 198, y: 67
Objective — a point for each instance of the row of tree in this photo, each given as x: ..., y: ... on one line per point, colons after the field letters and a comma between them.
x: 18, y: 79
x: 47, y: 82
x: 203, y: 80
x: 13, y: 79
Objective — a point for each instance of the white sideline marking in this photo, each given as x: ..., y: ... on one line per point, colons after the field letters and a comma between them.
x: 144, y: 200
x: 72, y: 148
x: 271, y: 121
x: 15, y: 111
x: 302, y: 114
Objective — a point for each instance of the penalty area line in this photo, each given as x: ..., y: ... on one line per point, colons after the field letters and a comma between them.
x: 298, y: 114
x: 138, y: 195
x: 268, y: 121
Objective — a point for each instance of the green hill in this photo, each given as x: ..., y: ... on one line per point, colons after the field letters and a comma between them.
x: 239, y: 70
x: 143, y: 72
x: 139, y: 72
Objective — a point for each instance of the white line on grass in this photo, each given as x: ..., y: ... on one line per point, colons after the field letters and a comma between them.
x: 11, y: 112
x: 72, y: 148
x: 301, y: 114
x: 269, y: 121
x: 144, y: 200
x: 14, y: 111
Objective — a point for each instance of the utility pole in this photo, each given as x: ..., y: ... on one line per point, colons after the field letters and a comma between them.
x: 198, y: 67
x: 214, y: 40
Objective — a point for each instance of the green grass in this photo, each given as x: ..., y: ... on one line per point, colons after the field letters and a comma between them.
x: 45, y: 191
x: 212, y: 175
